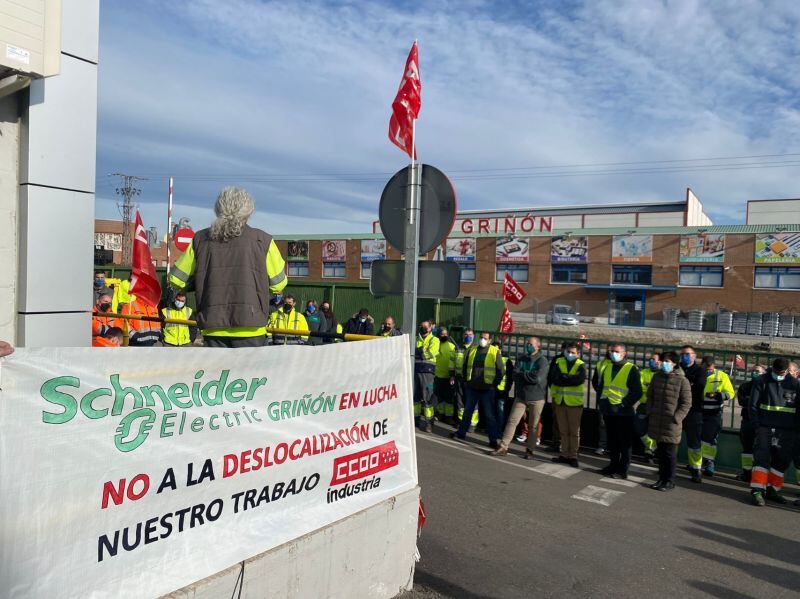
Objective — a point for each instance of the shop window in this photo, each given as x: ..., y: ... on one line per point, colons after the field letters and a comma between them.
x: 298, y: 269
x: 468, y: 272
x: 568, y: 273
x: 700, y: 276
x: 774, y: 277
x: 366, y: 269
x: 518, y: 272
x: 632, y: 275
x: 334, y: 270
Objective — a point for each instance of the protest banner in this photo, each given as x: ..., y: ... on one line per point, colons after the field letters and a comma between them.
x: 135, y: 473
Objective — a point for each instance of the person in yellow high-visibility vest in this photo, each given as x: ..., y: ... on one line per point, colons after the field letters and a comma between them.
x: 178, y: 335
x: 459, y: 389
x: 287, y: 317
x: 641, y: 421
x: 717, y: 392
x: 567, y: 378
x: 234, y: 269
x: 443, y: 381
x: 424, y: 374
x: 483, y: 371
x: 619, y: 387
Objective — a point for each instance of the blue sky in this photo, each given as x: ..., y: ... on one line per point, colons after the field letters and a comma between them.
x: 292, y: 101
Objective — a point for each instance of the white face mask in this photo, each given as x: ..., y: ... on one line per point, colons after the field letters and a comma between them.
x: 180, y: 304
x: 483, y: 342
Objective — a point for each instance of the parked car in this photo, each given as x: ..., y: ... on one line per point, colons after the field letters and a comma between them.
x: 562, y: 314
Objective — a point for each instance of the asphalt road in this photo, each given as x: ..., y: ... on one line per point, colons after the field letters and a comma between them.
x: 502, y: 527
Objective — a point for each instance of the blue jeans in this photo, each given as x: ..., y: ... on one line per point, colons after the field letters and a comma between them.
x: 484, y: 397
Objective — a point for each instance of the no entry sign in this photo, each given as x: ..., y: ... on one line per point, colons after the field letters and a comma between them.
x: 183, y: 238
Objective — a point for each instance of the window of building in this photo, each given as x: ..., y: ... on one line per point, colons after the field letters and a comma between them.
x: 298, y: 269
x: 632, y: 275
x: 334, y: 270
x: 366, y: 269
x: 700, y: 276
x: 468, y: 272
x: 775, y: 277
x: 518, y: 272
x: 568, y: 273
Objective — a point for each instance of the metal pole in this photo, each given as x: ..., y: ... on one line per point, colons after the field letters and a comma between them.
x: 411, y: 249
x: 169, y: 227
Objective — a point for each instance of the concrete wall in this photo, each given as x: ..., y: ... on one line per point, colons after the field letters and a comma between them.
x: 9, y: 167
x: 56, y: 190
x: 368, y: 555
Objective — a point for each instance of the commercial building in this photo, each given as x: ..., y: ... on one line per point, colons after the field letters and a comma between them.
x: 623, y: 274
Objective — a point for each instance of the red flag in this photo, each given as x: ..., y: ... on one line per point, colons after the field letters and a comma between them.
x: 506, y: 323
x: 512, y: 292
x: 406, y: 105
x: 739, y: 362
x: 144, y: 281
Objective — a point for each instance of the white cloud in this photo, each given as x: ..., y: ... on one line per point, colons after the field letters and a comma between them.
x: 258, y: 88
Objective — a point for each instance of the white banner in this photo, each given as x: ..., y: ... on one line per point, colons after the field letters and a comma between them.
x: 134, y: 472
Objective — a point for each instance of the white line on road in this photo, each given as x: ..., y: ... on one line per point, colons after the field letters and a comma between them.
x: 556, y: 470
x: 598, y: 495
x: 632, y: 481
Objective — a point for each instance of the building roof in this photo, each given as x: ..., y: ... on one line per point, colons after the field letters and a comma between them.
x: 643, y: 207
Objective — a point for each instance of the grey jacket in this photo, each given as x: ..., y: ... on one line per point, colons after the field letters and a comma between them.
x: 530, y: 377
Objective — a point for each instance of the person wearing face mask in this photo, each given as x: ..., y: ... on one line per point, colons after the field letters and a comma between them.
x: 101, y: 323
x: 443, y: 381
x: 567, y: 378
x: 287, y: 318
x: 327, y: 321
x: 602, y: 441
x: 483, y: 371
x: 773, y: 413
x: 99, y: 283
x: 717, y: 391
x: 640, y: 423
x: 746, y: 431
x: 502, y: 397
x: 669, y: 399
x: 693, y: 423
x: 314, y: 320
x: 619, y: 388
x: 530, y: 385
x: 178, y: 335
x: 360, y: 324
x: 424, y: 375
x: 459, y: 389
x: 388, y: 329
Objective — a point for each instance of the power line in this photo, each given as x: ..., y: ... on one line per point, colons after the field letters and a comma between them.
x: 127, y: 191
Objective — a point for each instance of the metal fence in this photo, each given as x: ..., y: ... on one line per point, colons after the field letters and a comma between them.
x: 593, y: 350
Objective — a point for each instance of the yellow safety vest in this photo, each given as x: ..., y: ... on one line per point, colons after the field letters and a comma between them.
x: 177, y: 334
x: 504, y: 382
x: 717, y: 382
x: 446, y: 360
x: 489, y: 366
x: 430, y: 348
x: 293, y: 321
x: 617, y: 388
x: 647, y: 377
x: 570, y: 395
x: 185, y: 267
x: 459, y: 366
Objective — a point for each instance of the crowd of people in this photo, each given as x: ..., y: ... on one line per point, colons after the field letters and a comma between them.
x: 677, y: 394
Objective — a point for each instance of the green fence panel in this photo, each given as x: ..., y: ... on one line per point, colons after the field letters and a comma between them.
x: 487, y: 314
x: 451, y: 313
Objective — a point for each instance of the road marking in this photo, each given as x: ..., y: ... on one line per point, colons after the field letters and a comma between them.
x: 598, y: 495
x: 632, y: 481
x: 556, y: 470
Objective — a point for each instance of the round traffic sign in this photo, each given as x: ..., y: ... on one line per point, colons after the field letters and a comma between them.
x: 437, y: 209
x: 183, y: 237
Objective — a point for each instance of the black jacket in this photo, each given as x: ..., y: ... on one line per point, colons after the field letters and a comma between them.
x: 697, y: 379
x: 775, y: 394
x: 354, y: 326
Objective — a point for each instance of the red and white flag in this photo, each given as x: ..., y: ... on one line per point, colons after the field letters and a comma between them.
x: 144, y: 281
x: 406, y: 105
x: 512, y: 292
x: 739, y: 362
x: 506, y: 323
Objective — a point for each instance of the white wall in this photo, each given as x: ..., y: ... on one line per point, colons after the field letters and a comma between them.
x: 773, y: 212
x: 595, y: 221
x: 368, y: 555
x: 9, y: 167
x: 661, y: 219
x: 56, y: 198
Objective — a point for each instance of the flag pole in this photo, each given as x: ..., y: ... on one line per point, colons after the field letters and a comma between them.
x: 169, y: 226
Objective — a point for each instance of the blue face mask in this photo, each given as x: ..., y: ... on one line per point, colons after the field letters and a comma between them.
x: 99, y: 282
x: 653, y: 364
x: 570, y: 357
x: 667, y: 367
x: 278, y: 299
x: 616, y: 357
x: 468, y: 339
x: 686, y: 359
x: 311, y: 309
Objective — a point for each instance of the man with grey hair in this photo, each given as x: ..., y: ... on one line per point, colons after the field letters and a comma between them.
x: 234, y: 269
